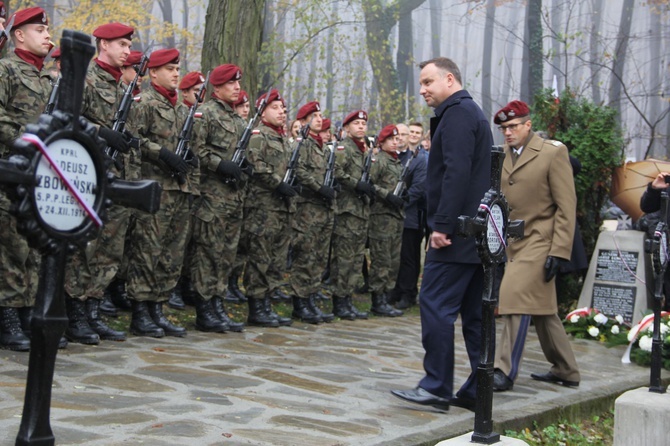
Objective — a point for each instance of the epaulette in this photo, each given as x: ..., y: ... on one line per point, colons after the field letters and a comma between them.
x: 255, y: 132
x: 556, y: 143
x: 340, y: 147
x: 137, y: 98
x: 197, y: 115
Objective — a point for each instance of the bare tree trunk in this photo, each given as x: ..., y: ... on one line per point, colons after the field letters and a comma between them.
x: 166, y: 9
x: 531, y: 76
x: 556, y: 51
x: 655, y: 82
x: 616, y: 77
x: 404, y: 56
x: 486, y: 58
x: 330, y: 80
x: 594, y: 48
x: 435, y: 26
x: 184, y: 43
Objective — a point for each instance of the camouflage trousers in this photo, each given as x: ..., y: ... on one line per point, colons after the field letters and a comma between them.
x: 348, y: 248
x: 385, y: 243
x: 94, y: 267
x: 312, y: 229
x: 157, y: 248
x: 19, y: 266
x: 215, y: 244
x: 266, y: 239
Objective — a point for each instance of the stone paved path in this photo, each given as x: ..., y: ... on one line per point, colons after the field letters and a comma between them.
x: 302, y: 385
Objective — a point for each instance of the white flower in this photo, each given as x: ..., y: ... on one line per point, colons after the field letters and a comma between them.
x: 619, y: 318
x: 600, y: 319
x: 645, y: 343
x: 664, y: 329
x: 574, y: 318
x: 593, y: 331
x: 615, y: 329
x: 630, y: 335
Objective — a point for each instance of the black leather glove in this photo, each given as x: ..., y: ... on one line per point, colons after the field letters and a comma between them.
x: 116, y: 140
x: 286, y: 190
x: 173, y: 161
x: 365, y: 188
x: 327, y: 192
x: 229, y: 169
x: 551, y: 267
x: 394, y: 200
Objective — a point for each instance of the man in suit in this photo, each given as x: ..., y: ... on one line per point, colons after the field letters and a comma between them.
x: 458, y: 176
x: 537, y: 181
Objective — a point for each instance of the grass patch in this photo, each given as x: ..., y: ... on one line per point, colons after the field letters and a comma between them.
x: 595, y: 431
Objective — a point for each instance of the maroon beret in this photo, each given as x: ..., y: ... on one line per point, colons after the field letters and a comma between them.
x: 274, y: 96
x: 388, y: 131
x: 55, y: 54
x: 191, y: 79
x: 307, y: 109
x: 358, y: 114
x: 30, y: 15
x: 163, y: 57
x: 326, y: 124
x: 113, y: 31
x: 3, y: 10
x: 243, y: 98
x: 133, y: 58
x: 224, y: 73
x: 515, y: 109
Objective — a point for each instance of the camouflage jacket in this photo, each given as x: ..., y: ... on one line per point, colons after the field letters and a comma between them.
x: 311, y: 171
x: 24, y: 93
x: 385, y: 173
x: 349, y: 161
x: 269, y: 154
x: 102, y: 97
x: 157, y: 123
x: 217, y: 132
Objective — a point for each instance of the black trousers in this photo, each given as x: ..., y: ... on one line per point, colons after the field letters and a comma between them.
x: 410, y: 264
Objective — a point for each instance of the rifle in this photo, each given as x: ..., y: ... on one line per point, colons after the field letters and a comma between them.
x: 239, y: 155
x: 53, y: 97
x: 329, y: 177
x: 183, y: 150
x: 121, y: 115
x: 4, y: 34
x: 367, y: 165
x: 289, y: 176
x: 401, y: 186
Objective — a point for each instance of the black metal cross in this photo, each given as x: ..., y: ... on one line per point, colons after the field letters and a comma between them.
x: 491, y: 228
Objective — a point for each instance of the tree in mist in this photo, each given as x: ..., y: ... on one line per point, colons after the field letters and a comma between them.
x: 531, y: 74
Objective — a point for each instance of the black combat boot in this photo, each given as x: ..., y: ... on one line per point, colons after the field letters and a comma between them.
x: 98, y: 325
x: 222, y: 314
x: 118, y: 295
x: 282, y: 321
x: 78, y: 329
x: 354, y: 310
x: 278, y: 295
x: 11, y: 335
x: 257, y: 314
x: 107, y: 307
x: 188, y: 292
x: 176, y: 301
x: 381, y: 308
x: 234, y: 290
x: 303, y: 312
x: 205, y: 319
x: 325, y: 317
x: 341, y: 309
x: 142, y: 324
x: 405, y: 302
x: 170, y: 329
x: 25, y: 316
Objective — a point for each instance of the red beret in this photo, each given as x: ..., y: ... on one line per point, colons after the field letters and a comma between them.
x: 30, y: 15
x: 274, y: 96
x: 358, y: 114
x: 515, y: 109
x: 133, y: 58
x: 224, y: 73
x: 326, y: 124
x: 163, y: 57
x: 243, y: 98
x: 55, y: 54
x: 3, y: 10
x: 113, y: 31
x: 191, y: 79
x: 307, y: 109
x: 388, y: 131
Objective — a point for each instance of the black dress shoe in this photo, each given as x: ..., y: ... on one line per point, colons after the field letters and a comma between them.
x: 464, y: 402
x: 423, y: 397
x: 551, y: 378
x: 501, y: 382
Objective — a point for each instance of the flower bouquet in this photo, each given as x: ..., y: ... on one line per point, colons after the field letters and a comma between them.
x: 589, y: 323
x: 640, y: 339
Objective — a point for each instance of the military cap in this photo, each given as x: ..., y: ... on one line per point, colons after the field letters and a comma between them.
x: 274, y: 96
x: 30, y: 15
x: 133, y: 58
x: 163, y: 57
x: 3, y: 10
x: 387, y: 132
x: 224, y: 73
x: 55, y: 54
x: 243, y: 98
x: 307, y: 109
x: 326, y: 124
x: 515, y: 109
x: 191, y: 79
x: 114, y: 30
x: 358, y: 114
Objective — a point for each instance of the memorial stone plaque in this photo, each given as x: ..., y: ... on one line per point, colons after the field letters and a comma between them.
x: 616, y: 283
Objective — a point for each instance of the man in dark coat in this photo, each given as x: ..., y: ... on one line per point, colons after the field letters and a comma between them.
x: 458, y: 176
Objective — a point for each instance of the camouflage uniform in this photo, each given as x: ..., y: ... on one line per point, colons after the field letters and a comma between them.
x: 352, y: 217
x: 313, y: 222
x: 218, y: 210
x: 267, y: 224
x: 24, y: 92
x: 385, y: 225
x: 159, y: 240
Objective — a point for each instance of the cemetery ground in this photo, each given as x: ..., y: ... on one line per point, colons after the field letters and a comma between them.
x: 308, y: 385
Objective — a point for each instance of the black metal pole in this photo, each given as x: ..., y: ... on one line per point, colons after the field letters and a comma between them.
x: 655, y: 384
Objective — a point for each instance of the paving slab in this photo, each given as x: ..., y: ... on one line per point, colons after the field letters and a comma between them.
x: 301, y: 385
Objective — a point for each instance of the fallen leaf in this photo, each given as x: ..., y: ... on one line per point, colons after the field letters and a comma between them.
x: 157, y: 425
x: 227, y: 435
x: 158, y: 349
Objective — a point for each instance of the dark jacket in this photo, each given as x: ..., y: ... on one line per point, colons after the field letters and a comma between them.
x: 416, y: 189
x: 459, y: 173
